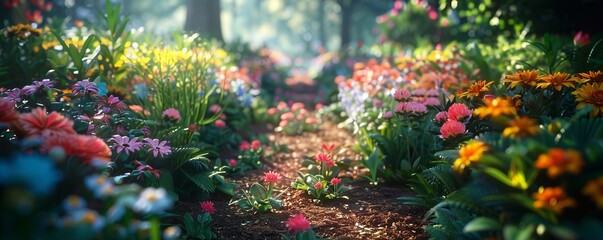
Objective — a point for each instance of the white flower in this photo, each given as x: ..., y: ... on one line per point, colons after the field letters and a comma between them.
x: 171, y: 232
x: 152, y: 200
x: 100, y: 185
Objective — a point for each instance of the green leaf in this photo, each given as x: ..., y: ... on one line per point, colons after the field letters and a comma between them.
x: 498, y: 175
x: 258, y: 191
x: 482, y: 224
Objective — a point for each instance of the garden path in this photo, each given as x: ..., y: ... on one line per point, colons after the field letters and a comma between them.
x: 371, y: 212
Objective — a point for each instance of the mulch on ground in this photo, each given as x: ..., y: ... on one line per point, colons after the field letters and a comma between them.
x: 371, y: 212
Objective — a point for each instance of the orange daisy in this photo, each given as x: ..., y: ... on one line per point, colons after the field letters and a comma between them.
x: 552, y: 198
x: 495, y: 108
x: 594, y: 189
x: 521, y: 127
x: 38, y: 122
x: 592, y: 77
x: 469, y: 154
x: 590, y: 95
x: 557, y: 80
x: 523, y: 77
x: 476, y: 89
x: 558, y: 161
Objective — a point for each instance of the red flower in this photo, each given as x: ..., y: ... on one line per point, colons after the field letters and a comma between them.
x: 272, y: 177
x: 220, y: 124
x: 244, y: 146
x: 452, y: 129
x: 35, y: 16
x: 459, y: 112
x: 255, y: 144
x: 328, y: 148
x: 38, y: 122
x: 297, y: 223
x: 85, y: 147
x: 318, y: 185
x: 207, y: 206
x: 581, y: 39
x: 323, y: 157
x: 8, y: 115
x: 335, y: 181
x: 232, y: 163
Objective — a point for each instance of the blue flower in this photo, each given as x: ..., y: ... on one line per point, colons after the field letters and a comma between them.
x: 35, y: 172
x: 102, y: 89
x: 141, y: 90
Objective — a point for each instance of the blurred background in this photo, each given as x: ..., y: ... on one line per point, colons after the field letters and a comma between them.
x: 305, y: 28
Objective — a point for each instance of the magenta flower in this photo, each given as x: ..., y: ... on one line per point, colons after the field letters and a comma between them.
x: 272, y: 177
x: 107, y: 104
x: 244, y: 146
x: 255, y: 145
x: 459, y: 112
x: 418, y: 92
x: 401, y: 95
x: 171, y: 114
x: 323, y: 157
x: 297, y: 223
x: 84, y: 87
x: 581, y: 39
x: 220, y: 123
x: 37, y: 87
x: 452, y: 128
x: 410, y: 107
x: 14, y: 95
x: 215, y: 108
x: 432, y: 93
x: 388, y: 115
x: 207, y: 206
x: 232, y: 163
x: 318, y: 185
x: 158, y: 148
x: 125, y: 144
x: 335, y: 181
x: 440, y: 118
x: 431, y: 101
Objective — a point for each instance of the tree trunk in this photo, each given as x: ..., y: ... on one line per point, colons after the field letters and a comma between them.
x: 347, y: 7
x: 203, y: 16
x: 321, y: 18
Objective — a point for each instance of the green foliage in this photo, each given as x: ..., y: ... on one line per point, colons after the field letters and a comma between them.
x: 258, y: 198
x: 200, y: 227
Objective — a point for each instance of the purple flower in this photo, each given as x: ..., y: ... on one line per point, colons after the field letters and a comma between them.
x: 37, y: 87
x: 14, y: 95
x: 158, y: 147
x: 84, y: 87
x: 111, y: 103
x: 125, y: 144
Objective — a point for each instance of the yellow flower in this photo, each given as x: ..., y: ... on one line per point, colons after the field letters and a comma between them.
x: 523, y: 77
x: 590, y: 94
x: 476, y: 89
x: 557, y: 80
x: 558, y: 161
x: 594, y: 189
x: 552, y: 198
x: 495, y: 108
x: 468, y: 154
x: 22, y: 31
x: 521, y: 127
x: 591, y: 77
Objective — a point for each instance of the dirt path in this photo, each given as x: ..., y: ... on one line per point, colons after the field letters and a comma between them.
x: 372, y: 212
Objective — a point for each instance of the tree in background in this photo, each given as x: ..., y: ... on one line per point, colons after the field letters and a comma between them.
x: 203, y: 16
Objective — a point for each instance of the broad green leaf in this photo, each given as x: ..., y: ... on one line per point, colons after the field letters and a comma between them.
x: 482, y: 224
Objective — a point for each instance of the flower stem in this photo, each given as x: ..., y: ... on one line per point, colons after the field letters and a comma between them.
x: 155, y: 229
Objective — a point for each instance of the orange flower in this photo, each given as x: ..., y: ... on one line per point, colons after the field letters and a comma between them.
x: 558, y: 161
x: 38, y: 122
x: 590, y: 94
x: 84, y: 147
x: 523, y: 77
x: 557, y: 80
x: 521, y: 127
x: 594, y: 189
x: 553, y: 198
x: 476, y: 89
x: 8, y: 115
x: 495, y: 108
x: 591, y: 77
x: 468, y: 154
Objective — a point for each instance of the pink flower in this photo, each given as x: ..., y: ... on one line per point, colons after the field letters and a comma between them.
x: 318, y: 106
x: 207, y: 206
x: 281, y: 106
x: 298, y: 223
x: 283, y: 123
x: 431, y: 101
x: 297, y: 106
x: 255, y: 144
x: 410, y: 107
x: 171, y: 114
x: 272, y: 177
x: 388, y: 115
x: 271, y: 111
x: 192, y: 128
x: 440, y: 118
x: 126, y: 144
x: 310, y: 120
x: 288, y: 116
x: 459, y: 112
x: 335, y: 181
x: 318, y: 185
x: 220, y: 123
x: 323, y: 157
x: 432, y: 93
x: 244, y: 146
x: 215, y: 108
x: 452, y: 129
x: 418, y: 92
x: 401, y: 95
x: 232, y: 163
x: 329, y: 163
x: 581, y: 39
x: 158, y: 147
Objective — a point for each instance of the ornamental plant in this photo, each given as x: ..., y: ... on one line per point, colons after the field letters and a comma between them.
x: 299, y: 226
x: 250, y: 155
x: 319, y: 176
x: 259, y: 197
